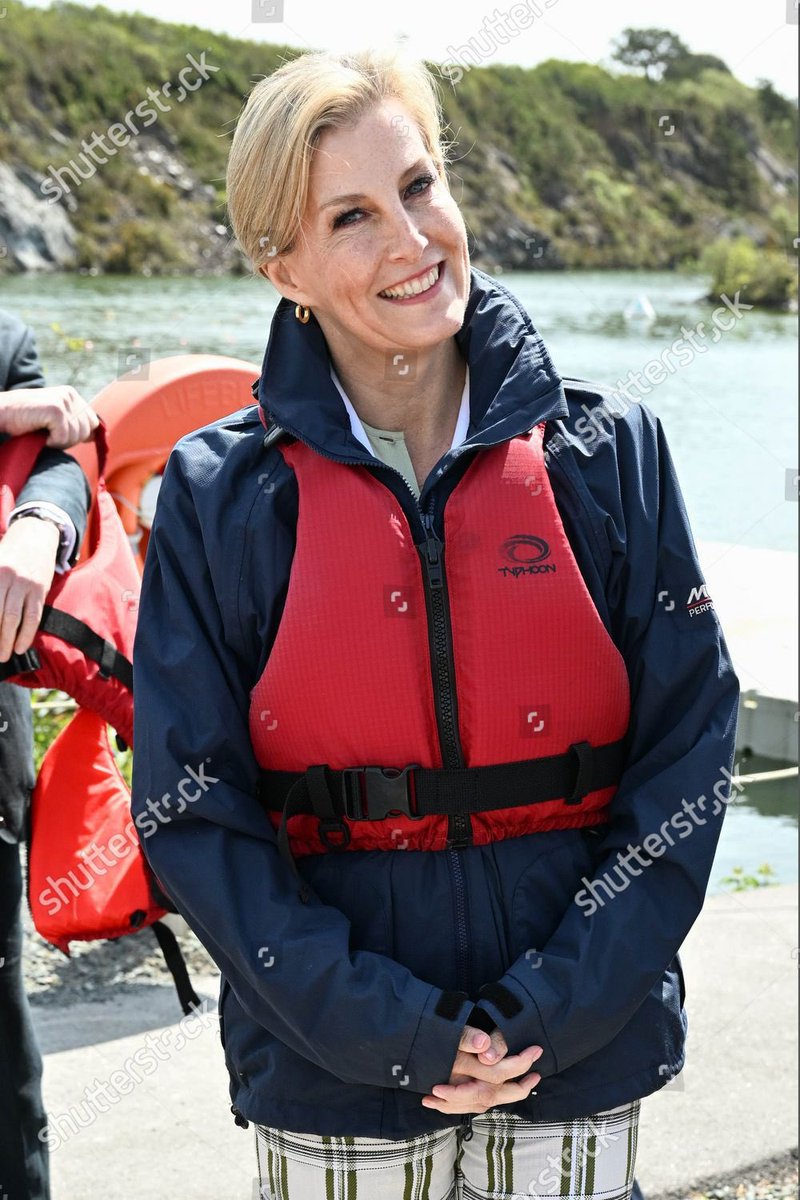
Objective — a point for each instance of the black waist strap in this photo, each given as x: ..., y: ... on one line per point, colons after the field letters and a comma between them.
x: 373, y: 793
x: 70, y: 629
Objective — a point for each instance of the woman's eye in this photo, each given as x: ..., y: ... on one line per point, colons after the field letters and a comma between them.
x: 425, y: 180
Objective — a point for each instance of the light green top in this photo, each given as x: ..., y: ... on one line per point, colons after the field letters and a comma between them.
x: 390, y: 446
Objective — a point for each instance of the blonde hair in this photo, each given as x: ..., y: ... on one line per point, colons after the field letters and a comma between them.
x: 280, y: 125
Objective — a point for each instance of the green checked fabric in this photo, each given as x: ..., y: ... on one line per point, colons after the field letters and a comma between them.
x: 590, y: 1158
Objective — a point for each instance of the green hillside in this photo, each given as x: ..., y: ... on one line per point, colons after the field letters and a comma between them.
x: 562, y: 165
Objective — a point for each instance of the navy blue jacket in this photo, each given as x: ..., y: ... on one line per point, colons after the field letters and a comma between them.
x: 338, y: 1015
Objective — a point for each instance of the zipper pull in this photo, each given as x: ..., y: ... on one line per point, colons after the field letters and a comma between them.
x: 433, y: 553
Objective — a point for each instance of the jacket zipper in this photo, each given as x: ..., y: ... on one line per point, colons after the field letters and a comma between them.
x: 459, y: 826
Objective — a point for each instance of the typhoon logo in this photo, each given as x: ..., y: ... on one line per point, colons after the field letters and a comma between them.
x: 525, y: 554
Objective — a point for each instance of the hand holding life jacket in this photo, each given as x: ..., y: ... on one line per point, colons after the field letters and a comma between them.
x: 87, y: 876
x: 85, y: 638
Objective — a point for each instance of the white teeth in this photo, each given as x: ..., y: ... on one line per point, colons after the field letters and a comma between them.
x: 414, y: 287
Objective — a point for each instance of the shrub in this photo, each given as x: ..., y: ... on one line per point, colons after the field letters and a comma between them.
x: 767, y: 277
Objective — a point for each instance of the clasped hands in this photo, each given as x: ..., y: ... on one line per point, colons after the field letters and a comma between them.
x: 484, y: 1075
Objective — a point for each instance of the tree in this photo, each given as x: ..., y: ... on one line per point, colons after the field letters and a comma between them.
x: 654, y: 50
x: 772, y: 105
x: 693, y: 65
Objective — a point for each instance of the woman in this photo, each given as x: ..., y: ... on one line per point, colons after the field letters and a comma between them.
x: 424, y: 652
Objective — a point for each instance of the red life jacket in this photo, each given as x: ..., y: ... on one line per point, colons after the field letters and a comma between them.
x: 80, y: 807
x: 355, y: 675
x: 87, y: 877
x: 85, y: 639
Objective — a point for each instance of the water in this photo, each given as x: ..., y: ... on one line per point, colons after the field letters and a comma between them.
x: 729, y: 414
x: 760, y: 826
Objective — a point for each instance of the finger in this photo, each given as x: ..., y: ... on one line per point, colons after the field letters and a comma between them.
x: 59, y: 430
x: 464, y: 1098
x: 499, y: 1072
x: 461, y: 1097
x: 88, y: 423
x: 497, y: 1050
x: 520, y: 1089
x: 84, y: 407
x: 473, y: 1040
x: 31, y: 616
x: 9, y: 625
x: 514, y: 1064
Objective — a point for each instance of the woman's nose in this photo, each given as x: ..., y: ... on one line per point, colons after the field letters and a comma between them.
x: 405, y: 239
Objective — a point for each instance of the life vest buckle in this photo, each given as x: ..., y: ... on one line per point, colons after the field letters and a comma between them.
x: 340, y: 832
x: 373, y: 793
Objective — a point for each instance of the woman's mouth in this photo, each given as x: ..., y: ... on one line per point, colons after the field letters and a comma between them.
x: 424, y: 287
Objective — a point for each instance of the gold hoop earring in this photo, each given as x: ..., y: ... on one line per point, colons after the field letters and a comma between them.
x: 302, y: 312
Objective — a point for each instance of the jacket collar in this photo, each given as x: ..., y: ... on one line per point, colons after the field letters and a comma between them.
x: 513, y: 383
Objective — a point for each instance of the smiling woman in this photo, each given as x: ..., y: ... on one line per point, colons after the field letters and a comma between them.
x: 384, y: 266
x: 415, y: 628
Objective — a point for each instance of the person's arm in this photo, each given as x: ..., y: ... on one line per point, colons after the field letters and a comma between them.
x: 27, y: 560
x: 56, y: 486
x: 19, y: 356
x: 614, y: 943
x: 57, y: 482
x: 46, y: 511
x: 357, y: 1014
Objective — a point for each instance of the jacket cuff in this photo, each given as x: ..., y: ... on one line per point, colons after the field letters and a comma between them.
x: 68, y: 533
x: 516, y: 1014
x: 435, y: 1046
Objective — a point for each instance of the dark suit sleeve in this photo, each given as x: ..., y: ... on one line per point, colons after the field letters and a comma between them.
x: 20, y: 358
x: 56, y: 476
x: 60, y: 479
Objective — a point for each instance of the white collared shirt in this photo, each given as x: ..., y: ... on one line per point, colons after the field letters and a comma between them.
x: 459, y: 435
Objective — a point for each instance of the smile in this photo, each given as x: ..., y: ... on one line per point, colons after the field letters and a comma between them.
x: 415, y: 287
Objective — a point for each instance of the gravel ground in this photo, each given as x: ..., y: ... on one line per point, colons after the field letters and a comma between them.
x: 95, y: 970
x: 774, y: 1179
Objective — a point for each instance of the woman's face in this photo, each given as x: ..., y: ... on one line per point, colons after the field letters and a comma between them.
x: 396, y: 221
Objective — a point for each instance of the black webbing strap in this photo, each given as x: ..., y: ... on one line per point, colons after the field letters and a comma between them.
x: 297, y: 800
x: 19, y: 664
x: 166, y: 939
x: 371, y: 793
x: 70, y: 629
x: 104, y: 653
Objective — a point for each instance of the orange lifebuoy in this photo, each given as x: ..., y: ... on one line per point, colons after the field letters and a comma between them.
x: 145, y: 412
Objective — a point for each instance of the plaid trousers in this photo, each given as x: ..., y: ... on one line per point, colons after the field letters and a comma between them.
x: 506, y: 1157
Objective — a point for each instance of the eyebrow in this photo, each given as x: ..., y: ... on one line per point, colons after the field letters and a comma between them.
x: 354, y: 196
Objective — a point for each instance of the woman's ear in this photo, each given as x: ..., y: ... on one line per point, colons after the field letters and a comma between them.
x: 282, y: 280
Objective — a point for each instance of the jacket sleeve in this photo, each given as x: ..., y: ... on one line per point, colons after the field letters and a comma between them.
x: 57, y: 478
x: 357, y: 1014
x: 19, y: 366
x: 652, y: 867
